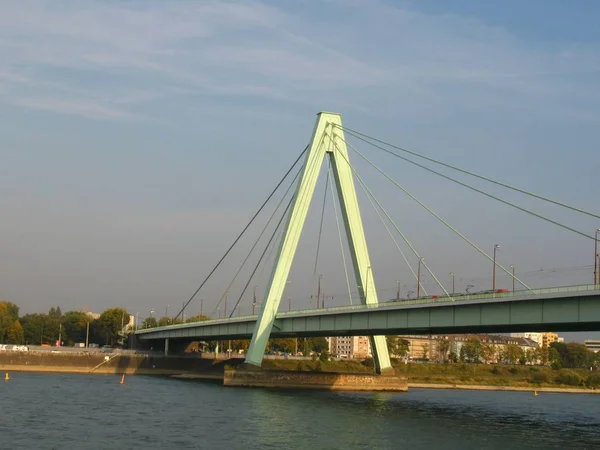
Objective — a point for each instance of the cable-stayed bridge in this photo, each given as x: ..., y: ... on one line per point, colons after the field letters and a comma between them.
x: 574, y: 308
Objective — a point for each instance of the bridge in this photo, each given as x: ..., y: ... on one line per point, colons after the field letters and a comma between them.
x: 570, y: 308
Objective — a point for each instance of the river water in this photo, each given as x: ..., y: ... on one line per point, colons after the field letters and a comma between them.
x: 48, y: 411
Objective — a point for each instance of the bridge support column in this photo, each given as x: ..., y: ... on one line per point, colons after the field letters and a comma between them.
x: 166, y: 346
x: 327, y: 140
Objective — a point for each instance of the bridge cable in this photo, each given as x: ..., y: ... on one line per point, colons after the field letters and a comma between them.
x: 337, y: 221
x: 539, y: 216
x: 437, y: 216
x: 263, y: 254
x: 522, y: 191
x: 321, y: 231
x: 372, y: 198
x: 305, y: 169
x: 242, y: 232
x: 259, y: 237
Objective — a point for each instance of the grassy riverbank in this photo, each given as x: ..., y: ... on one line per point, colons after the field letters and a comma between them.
x: 448, y: 375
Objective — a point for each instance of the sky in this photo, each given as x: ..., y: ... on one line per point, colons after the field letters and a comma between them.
x: 138, y: 138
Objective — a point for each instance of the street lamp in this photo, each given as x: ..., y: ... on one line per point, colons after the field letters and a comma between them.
x: 225, y: 311
x: 496, y: 247
x: 397, y: 290
x: 452, y: 275
x: 419, y: 277
x: 596, y: 277
x: 513, y: 276
x: 167, y: 312
x: 289, y: 304
x: 201, y: 304
x: 319, y: 291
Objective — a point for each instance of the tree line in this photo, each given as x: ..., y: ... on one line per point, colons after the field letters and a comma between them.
x: 70, y: 327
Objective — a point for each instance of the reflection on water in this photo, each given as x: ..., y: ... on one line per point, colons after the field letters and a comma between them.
x: 95, y: 412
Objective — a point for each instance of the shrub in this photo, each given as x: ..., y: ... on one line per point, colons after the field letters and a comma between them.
x: 593, y: 380
x: 496, y: 370
x: 540, y: 377
x: 569, y: 378
x: 514, y: 370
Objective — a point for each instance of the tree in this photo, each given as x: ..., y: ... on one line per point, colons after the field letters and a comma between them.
x: 149, y: 322
x: 513, y: 353
x: 282, y: 345
x: 397, y: 346
x: 488, y: 352
x: 111, y: 323
x: 75, y: 324
x: 530, y: 356
x: 15, y: 333
x: 471, y: 350
x: 6, y: 321
x: 425, y: 351
x: 442, y: 345
x: 542, y: 354
x: 13, y: 310
x: 38, y: 329
x: 198, y: 318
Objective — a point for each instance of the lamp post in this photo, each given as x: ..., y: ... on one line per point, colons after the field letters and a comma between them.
x: 397, y: 290
x: 167, y: 312
x: 319, y: 290
x: 452, y: 275
x: 225, y: 309
x: 419, y: 277
x: 496, y: 247
x: 513, y: 277
x: 289, y: 304
x: 596, y: 281
x: 201, y: 304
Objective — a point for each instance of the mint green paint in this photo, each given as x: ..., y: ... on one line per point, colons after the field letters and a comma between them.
x: 324, y: 142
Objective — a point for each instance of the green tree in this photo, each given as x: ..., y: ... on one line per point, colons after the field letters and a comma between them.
x: 74, y: 324
x: 111, y: 324
x: 281, y: 345
x: 471, y: 350
x: 6, y: 321
x: 198, y: 318
x: 15, y: 333
x: 443, y: 347
x: 149, y: 322
x: 512, y: 353
x: 38, y: 329
x: 488, y: 352
x: 397, y: 346
x: 13, y: 310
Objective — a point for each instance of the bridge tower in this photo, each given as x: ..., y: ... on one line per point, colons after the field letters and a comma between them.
x: 327, y: 140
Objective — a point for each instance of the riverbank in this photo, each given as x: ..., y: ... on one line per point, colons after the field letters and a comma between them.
x: 428, y: 376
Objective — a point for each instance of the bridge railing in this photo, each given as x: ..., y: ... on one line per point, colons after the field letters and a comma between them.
x: 430, y: 300
x: 422, y: 301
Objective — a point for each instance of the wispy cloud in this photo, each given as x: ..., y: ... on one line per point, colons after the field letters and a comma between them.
x: 99, y: 53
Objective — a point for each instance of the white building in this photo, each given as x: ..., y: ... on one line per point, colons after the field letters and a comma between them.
x: 350, y: 346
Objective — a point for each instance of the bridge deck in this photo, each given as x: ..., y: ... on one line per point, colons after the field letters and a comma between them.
x: 572, y: 308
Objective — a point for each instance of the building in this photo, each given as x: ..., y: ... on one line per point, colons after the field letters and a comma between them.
x: 542, y: 339
x: 355, y: 347
x: 593, y: 345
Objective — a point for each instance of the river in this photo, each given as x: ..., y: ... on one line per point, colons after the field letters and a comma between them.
x: 59, y: 411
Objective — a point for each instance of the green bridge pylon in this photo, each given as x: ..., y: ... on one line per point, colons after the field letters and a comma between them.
x: 327, y: 140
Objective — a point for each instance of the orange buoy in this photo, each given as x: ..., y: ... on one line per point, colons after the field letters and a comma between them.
x: 6, y: 377
x: 123, y: 379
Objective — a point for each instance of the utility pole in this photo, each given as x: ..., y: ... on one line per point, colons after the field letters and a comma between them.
x: 419, y: 277
x: 452, y: 275
x: 397, y: 290
x: 289, y: 304
x: 225, y: 311
x: 496, y: 247
x: 596, y: 277
x: 513, y: 277
x: 87, y: 335
x: 59, y: 334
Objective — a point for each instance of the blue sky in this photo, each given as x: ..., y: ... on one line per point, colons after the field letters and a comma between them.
x: 139, y: 137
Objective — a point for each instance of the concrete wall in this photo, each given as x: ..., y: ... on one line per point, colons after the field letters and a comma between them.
x: 314, y: 380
